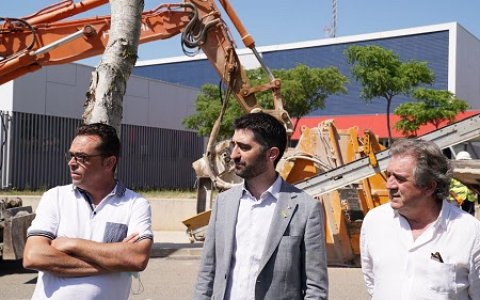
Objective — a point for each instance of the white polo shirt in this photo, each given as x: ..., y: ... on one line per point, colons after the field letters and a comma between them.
x: 66, y: 211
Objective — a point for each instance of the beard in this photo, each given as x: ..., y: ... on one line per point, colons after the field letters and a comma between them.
x: 249, y: 171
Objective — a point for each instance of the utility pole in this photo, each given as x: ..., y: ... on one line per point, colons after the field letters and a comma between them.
x: 331, y: 30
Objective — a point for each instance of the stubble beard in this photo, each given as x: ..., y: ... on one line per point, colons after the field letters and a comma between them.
x: 250, y: 171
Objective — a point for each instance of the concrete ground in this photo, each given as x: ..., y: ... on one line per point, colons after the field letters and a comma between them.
x: 171, y: 274
x: 345, y: 283
x: 175, y: 244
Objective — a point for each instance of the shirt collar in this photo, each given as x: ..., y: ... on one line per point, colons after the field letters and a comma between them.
x: 273, y: 190
x: 442, y: 218
x: 441, y: 221
x: 118, y: 190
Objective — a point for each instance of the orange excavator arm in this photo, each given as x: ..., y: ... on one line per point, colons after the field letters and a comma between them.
x: 29, y: 43
x: 43, y: 39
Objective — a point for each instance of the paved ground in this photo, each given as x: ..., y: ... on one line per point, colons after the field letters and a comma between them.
x: 177, y: 283
x: 172, y: 279
x: 171, y: 276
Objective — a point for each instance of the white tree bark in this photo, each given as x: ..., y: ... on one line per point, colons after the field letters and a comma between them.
x: 104, y: 102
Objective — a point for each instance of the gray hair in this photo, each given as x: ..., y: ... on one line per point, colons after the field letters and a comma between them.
x: 431, y: 164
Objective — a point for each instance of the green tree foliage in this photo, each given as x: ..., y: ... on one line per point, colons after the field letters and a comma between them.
x: 383, y: 75
x: 306, y: 89
x: 207, y: 109
x: 303, y: 89
x: 432, y: 107
x: 409, y: 122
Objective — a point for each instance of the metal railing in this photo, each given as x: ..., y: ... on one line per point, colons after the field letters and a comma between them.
x: 32, y: 151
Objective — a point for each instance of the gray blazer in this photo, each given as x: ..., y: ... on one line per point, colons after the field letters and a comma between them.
x: 293, y: 264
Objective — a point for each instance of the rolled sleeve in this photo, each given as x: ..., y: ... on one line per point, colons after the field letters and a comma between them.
x: 47, y: 217
x: 141, y: 219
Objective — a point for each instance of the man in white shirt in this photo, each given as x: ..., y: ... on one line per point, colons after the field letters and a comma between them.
x: 265, y: 238
x: 87, y: 237
x: 419, y: 246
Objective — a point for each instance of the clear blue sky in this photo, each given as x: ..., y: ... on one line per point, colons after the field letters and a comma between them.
x: 273, y: 22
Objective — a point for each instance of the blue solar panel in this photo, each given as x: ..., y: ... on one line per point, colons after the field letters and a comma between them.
x: 430, y: 47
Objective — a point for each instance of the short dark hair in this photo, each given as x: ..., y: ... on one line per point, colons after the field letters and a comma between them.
x: 431, y: 164
x: 267, y: 130
x: 109, y: 141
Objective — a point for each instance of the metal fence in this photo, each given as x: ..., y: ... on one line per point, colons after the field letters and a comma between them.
x: 33, y: 146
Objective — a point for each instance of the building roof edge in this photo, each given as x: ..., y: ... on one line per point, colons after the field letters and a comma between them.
x: 315, y: 43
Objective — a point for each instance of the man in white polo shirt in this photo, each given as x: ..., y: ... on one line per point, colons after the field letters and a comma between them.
x: 87, y: 237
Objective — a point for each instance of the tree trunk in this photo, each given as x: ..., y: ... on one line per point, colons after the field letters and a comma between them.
x: 104, y: 102
x: 389, y: 128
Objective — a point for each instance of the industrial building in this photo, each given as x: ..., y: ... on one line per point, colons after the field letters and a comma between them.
x: 40, y: 111
x: 451, y: 51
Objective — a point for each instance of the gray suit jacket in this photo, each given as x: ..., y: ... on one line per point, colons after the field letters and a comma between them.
x: 293, y: 264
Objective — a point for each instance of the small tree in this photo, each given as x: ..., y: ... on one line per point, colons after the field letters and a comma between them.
x: 410, y: 121
x: 432, y: 107
x: 303, y: 89
x: 382, y: 74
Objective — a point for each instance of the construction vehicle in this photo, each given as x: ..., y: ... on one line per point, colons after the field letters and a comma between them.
x: 45, y: 38
x: 28, y: 43
x: 14, y: 221
x: 345, y: 171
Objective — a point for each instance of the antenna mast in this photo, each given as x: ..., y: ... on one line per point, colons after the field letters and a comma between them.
x: 331, y: 30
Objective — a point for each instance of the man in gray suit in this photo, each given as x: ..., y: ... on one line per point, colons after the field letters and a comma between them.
x: 265, y: 238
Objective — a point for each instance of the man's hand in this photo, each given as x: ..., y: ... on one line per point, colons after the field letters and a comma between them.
x: 132, y: 238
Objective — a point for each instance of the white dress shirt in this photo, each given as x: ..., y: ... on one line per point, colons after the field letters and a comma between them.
x: 395, y: 266
x: 251, y: 231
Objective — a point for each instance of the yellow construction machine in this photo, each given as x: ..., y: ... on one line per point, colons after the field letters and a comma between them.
x: 342, y: 168
x: 318, y: 150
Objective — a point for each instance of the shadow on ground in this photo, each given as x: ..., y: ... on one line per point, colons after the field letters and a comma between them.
x: 8, y: 267
x: 176, y: 250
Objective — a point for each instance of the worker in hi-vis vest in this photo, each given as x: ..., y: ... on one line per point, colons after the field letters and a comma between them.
x: 459, y: 193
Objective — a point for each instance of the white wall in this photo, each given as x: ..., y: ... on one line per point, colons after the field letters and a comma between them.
x: 467, y: 79
x: 248, y: 60
x: 158, y: 104
x: 60, y: 91
x: 6, y: 96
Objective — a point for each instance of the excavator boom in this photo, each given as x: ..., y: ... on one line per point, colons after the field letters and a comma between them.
x: 44, y: 38
x: 27, y: 47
